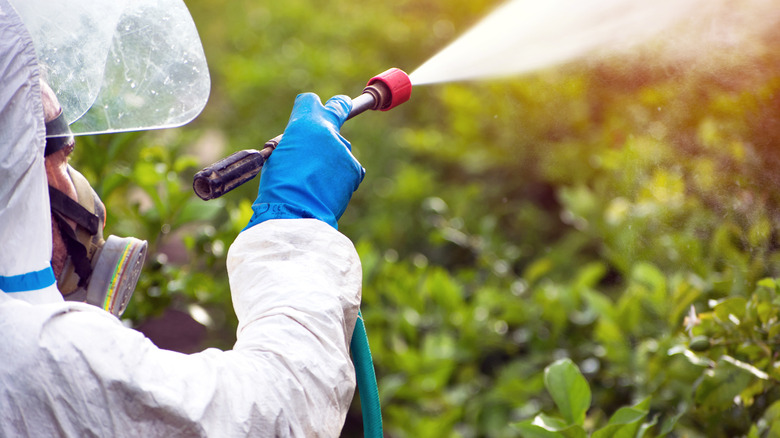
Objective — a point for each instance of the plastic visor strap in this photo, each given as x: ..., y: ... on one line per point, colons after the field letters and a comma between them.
x: 366, y: 381
x: 58, y: 134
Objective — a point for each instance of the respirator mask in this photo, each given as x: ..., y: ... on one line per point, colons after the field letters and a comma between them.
x: 101, y: 272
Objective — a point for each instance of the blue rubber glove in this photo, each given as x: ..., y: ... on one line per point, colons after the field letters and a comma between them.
x: 311, y: 173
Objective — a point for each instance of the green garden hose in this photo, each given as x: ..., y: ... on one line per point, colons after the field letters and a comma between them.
x: 366, y: 381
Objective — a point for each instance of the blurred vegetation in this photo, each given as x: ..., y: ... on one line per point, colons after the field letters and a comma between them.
x: 612, y: 219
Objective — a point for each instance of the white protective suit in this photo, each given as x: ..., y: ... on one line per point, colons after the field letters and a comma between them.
x: 71, y: 369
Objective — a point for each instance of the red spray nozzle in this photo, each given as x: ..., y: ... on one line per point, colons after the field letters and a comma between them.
x: 383, y: 92
x: 398, y: 83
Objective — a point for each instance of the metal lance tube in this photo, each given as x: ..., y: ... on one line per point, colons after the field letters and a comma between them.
x: 383, y: 92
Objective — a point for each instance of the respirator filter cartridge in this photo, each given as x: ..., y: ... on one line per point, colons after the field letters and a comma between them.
x: 116, y: 273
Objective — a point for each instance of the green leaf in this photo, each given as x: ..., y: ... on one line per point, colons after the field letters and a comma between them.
x: 569, y: 390
x: 538, y: 269
x: 529, y: 429
x: 646, y: 426
x: 199, y: 210
x: 146, y: 174
x: 553, y: 424
x: 731, y: 309
x: 445, y: 291
x: 590, y: 275
x: 667, y: 426
x: 769, y: 283
x: 651, y: 277
x: 766, y: 312
x: 720, y: 385
x: 772, y: 418
x: 623, y: 424
x: 600, y: 303
x: 545, y: 426
x: 112, y: 181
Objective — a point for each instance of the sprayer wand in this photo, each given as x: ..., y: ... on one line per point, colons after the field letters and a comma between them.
x: 383, y: 92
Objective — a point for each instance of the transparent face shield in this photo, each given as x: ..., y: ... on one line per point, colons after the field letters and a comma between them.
x: 115, y: 66
x: 119, y: 65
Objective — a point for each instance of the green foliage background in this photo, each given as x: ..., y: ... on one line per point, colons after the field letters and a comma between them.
x: 614, y: 211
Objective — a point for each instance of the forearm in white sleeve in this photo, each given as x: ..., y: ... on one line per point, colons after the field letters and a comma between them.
x: 70, y: 369
x: 296, y: 290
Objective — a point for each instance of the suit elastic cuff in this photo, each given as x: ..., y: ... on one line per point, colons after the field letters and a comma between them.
x: 265, y: 211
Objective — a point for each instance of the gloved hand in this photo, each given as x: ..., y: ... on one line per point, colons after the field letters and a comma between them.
x: 311, y: 173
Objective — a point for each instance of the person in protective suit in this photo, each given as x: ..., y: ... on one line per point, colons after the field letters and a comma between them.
x: 72, y: 369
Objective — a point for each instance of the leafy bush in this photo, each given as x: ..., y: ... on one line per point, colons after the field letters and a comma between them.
x: 572, y: 396
x: 609, y: 217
